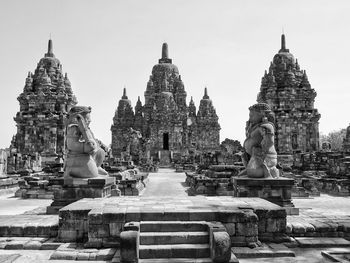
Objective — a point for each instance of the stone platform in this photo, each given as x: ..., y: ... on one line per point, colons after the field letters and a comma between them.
x: 28, y: 225
x: 74, y: 189
x: 275, y: 190
x: 100, y: 221
x: 8, y: 185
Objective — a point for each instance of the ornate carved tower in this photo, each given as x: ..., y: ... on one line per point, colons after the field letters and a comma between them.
x: 122, y: 122
x: 208, y: 136
x: 166, y: 122
x: 286, y: 88
x: 46, y: 98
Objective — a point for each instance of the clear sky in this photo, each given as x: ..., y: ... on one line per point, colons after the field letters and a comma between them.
x: 225, y: 45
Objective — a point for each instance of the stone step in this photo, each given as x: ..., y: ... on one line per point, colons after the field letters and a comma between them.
x: 158, y: 238
x: 27, y: 225
x: 184, y: 260
x: 173, y: 226
x: 315, y: 242
x: 174, y: 251
x: 176, y: 260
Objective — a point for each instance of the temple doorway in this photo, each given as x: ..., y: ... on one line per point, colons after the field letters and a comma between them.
x: 166, y: 141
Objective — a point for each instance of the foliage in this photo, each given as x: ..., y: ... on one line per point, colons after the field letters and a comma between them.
x: 231, y: 146
x: 335, y: 138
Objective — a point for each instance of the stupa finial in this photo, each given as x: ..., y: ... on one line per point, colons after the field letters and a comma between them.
x: 165, y: 54
x: 49, y: 49
x: 283, y: 44
x: 165, y: 51
x: 124, y: 93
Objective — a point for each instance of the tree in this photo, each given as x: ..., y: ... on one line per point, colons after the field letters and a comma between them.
x: 335, y: 138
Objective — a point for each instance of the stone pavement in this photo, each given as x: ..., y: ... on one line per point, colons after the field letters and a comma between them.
x: 166, y: 183
x: 10, y: 205
x: 327, y: 215
x: 324, y: 216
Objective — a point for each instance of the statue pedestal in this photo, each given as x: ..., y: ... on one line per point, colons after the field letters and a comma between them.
x: 277, y: 191
x: 74, y: 189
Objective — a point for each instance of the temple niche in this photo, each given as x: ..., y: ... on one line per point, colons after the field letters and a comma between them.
x: 286, y: 88
x: 46, y: 98
x: 170, y: 128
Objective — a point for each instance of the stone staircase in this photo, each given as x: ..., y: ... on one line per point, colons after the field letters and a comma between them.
x: 179, y: 241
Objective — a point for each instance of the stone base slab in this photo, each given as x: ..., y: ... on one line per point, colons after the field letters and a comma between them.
x: 28, y: 225
x: 75, y: 189
x: 277, y: 191
x: 100, y: 221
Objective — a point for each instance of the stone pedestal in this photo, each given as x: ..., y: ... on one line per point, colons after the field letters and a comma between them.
x: 74, y: 189
x: 277, y: 191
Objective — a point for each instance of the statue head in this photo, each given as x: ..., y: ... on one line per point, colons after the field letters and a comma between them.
x: 260, y: 112
x: 83, y: 111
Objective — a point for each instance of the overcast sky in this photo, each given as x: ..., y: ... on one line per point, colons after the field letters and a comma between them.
x: 224, y: 45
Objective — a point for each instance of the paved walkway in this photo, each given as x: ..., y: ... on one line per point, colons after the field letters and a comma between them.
x: 10, y: 205
x: 166, y: 183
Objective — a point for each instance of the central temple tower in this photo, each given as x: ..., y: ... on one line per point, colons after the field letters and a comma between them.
x: 170, y: 128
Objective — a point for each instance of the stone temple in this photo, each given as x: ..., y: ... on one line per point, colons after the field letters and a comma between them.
x: 171, y: 129
x: 46, y: 98
x: 286, y: 88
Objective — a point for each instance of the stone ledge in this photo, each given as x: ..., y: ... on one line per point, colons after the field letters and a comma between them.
x: 265, y: 251
x: 309, y: 242
x: 28, y: 243
x: 281, y: 181
x: 73, y: 251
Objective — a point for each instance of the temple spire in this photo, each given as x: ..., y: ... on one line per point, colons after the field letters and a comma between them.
x: 165, y: 54
x: 283, y: 44
x: 49, y: 49
x: 205, y: 93
x: 124, y: 94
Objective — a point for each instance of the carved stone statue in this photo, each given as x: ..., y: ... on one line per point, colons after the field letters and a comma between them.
x: 85, y: 155
x: 260, y: 156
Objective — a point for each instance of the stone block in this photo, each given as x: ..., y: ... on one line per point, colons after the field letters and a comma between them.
x: 83, y: 256
x: 298, y: 228
x: 111, y: 242
x: 95, y: 218
x: 220, y: 247
x: 67, y: 235
x: 247, y: 229
x: 115, y: 229
x: 262, y: 225
x: 32, y: 245
x: 50, y: 245
x: 15, y: 244
x: 129, y: 246
x: 64, y: 255
x: 238, y: 240
x: 230, y: 228
x: 105, y: 254
x: 271, y: 225
x: 94, y: 242
x: 16, y: 230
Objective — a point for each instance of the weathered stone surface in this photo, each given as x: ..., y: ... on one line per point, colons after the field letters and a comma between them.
x: 129, y: 246
x: 221, y: 247
x: 109, y: 215
x: 274, y: 190
x: 44, y: 103
x: 287, y: 90
x: 169, y: 128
